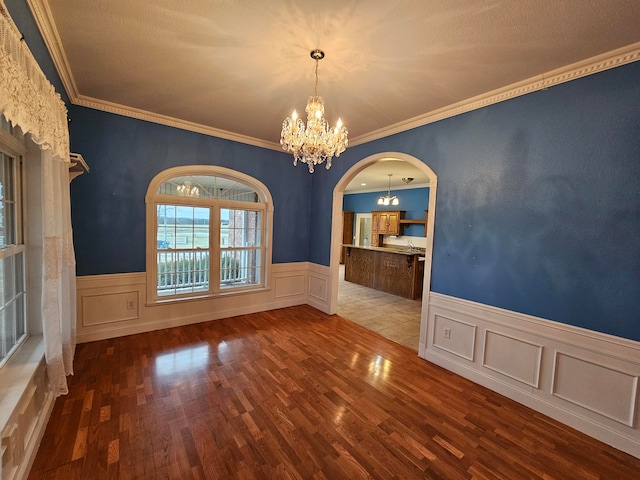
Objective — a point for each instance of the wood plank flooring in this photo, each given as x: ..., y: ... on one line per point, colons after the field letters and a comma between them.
x: 296, y: 394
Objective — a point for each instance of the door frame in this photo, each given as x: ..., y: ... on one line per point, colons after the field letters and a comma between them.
x: 336, y: 229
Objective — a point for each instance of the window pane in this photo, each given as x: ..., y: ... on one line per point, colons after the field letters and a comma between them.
x: 181, y: 272
x: 182, y: 227
x: 183, y: 249
x: 240, y: 228
x: 12, y: 310
x: 208, y: 186
x: 239, y: 267
x: 7, y: 201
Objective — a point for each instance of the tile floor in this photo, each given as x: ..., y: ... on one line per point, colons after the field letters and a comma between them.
x: 393, y: 317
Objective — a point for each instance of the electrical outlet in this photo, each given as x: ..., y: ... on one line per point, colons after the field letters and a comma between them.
x: 446, y: 333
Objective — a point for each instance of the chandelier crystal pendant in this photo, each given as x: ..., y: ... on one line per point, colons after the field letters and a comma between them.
x: 389, y: 200
x: 314, y: 143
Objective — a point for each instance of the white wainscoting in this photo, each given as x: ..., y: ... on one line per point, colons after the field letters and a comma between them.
x: 115, y: 305
x: 25, y: 406
x: 585, y: 379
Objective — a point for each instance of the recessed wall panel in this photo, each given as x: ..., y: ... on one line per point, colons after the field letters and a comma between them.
x: 289, y: 285
x: 109, y: 307
x: 318, y: 287
x: 583, y: 382
x: 454, y: 336
x: 513, y: 357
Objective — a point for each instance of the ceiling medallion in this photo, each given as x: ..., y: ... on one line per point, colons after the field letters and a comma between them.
x: 316, y: 142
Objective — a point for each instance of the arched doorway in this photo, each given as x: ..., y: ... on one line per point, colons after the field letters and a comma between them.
x: 336, y: 228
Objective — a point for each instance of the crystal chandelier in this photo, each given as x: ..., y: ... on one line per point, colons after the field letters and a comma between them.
x: 316, y: 142
x: 186, y: 190
x: 389, y: 200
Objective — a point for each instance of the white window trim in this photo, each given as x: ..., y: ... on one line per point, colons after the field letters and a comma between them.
x: 152, y: 199
x: 17, y: 149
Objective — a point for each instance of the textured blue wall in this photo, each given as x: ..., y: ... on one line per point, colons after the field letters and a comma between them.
x: 124, y: 154
x: 538, y: 207
x: 413, y: 201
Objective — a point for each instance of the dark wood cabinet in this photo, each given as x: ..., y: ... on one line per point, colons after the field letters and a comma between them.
x: 347, y: 231
x: 392, y: 272
x: 385, y: 222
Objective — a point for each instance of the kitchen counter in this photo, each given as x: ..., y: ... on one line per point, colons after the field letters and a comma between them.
x: 398, y: 271
x: 399, y: 250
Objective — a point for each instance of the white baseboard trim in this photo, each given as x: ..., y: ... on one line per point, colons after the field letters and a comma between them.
x: 111, y: 306
x: 584, y: 379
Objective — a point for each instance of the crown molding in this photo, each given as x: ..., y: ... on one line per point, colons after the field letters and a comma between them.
x: 44, y: 19
x: 599, y: 63
x: 139, y: 114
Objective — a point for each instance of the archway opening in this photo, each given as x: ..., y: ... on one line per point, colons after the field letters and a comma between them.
x: 336, y: 230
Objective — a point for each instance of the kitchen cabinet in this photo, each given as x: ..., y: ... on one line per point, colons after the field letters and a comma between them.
x: 393, y: 271
x: 347, y: 231
x: 387, y: 222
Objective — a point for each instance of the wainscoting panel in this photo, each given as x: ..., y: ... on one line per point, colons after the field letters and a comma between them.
x: 585, y: 379
x: 454, y: 336
x: 288, y: 285
x: 111, y: 307
x: 579, y: 381
x: 115, y: 305
x: 512, y: 357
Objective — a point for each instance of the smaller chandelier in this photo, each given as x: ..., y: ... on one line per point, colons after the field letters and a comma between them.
x: 389, y: 200
x: 186, y: 190
x: 316, y: 142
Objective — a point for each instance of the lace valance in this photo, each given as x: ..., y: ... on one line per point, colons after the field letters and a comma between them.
x: 27, y: 98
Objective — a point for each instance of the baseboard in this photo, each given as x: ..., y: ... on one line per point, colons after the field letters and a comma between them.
x: 110, y: 306
x: 584, y: 379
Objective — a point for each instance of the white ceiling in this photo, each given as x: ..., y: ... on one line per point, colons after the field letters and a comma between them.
x: 238, y: 68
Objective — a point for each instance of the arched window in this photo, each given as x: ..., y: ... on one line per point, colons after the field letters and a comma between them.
x: 208, y: 233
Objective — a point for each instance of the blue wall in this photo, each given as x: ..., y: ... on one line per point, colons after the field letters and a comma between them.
x: 538, y: 207
x: 413, y: 201
x: 124, y: 154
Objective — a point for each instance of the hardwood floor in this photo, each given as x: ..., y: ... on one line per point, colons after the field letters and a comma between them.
x: 296, y: 394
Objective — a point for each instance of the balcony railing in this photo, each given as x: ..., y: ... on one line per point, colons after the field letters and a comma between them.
x: 186, y: 271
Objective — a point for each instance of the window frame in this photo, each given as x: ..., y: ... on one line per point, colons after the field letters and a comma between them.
x: 12, y: 144
x: 154, y: 199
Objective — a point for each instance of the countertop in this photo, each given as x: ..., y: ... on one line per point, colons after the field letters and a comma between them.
x: 398, y: 250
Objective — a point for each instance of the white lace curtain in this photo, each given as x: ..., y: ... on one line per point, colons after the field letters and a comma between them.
x: 29, y: 101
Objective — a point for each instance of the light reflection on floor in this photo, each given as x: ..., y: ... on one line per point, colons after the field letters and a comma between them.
x: 184, y: 360
x: 379, y: 368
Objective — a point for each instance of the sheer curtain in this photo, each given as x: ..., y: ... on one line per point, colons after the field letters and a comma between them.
x: 29, y: 101
x: 58, y: 273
